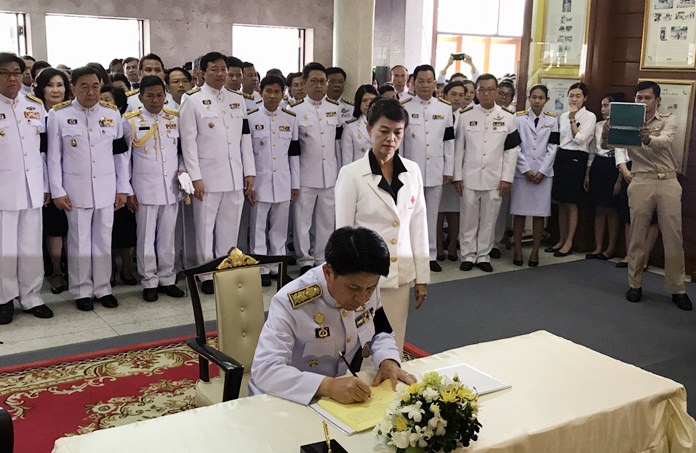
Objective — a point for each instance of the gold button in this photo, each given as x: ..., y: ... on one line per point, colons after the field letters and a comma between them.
x: 349, y: 339
x: 344, y: 313
x: 393, y: 259
x: 242, y: 309
x: 90, y: 129
x: 165, y: 174
x: 274, y: 145
x: 25, y: 154
x: 393, y: 241
x: 239, y: 285
x: 395, y: 223
x: 274, y: 170
x: 27, y: 170
x: 94, y: 177
x: 274, y: 158
x: 94, y: 161
x: 243, y: 334
x: 164, y: 161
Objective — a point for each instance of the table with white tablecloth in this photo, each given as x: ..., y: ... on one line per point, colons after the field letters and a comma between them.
x: 563, y: 398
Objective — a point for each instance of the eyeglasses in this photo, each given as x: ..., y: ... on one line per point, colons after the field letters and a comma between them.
x: 8, y: 74
x: 486, y: 90
x: 317, y: 81
x: 503, y: 94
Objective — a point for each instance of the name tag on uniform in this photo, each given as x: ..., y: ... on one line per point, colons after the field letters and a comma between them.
x: 170, y: 126
x: 473, y: 123
x: 31, y: 107
x: 143, y: 128
x: 72, y: 121
x: 259, y: 127
x: 438, y: 117
x: 414, y: 115
x: 106, y: 122
x: 322, y: 332
x: 498, y: 123
x: 330, y: 114
x: 362, y: 319
x: 345, y: 110
x: 32, y: 115
x: 206, y: 102
x: 235, y: 105
x: 547, y: 125
x: 284, y: 128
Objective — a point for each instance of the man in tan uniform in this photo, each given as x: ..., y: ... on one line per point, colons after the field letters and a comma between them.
x: 655, y: 187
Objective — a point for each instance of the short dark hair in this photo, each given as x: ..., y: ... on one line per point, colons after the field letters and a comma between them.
x: 42, y: 81
x: 7, y: 57
x: 458, y: 74
x: 234, y: 62
x: 390, y: 109
x: 272, y: 79
x: 456, y: 83
x: 247, y: 64
x: 506, y: 83
x: 423, y: 67
x: 37, y: 67
x: 182, y: 70
x: 386, y: 87
x: 313, y: 66
x: 114, y: 62
x: 615, y: 97
x: 276, y: 72
x: 78, y: 73
x: 336, y: 70
x: 352, y: 250
x: 647, y: 84
x: 291, y: 77
x: 541, y: 87
x: 120, y: 98
x: 396, y: 67
x: 209, y: 58
x: 128, y: 60
x: 486, y: 76
x: 121, y: 78
x: 580, y: 86
x: 28, y: 57
x: 101, y: 72
x: 359, y: 94
x: 150, y: 56
x: 151, y: 81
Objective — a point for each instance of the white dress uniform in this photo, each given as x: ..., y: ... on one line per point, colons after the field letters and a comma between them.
x: 486, y: 152
x: 355, y: 141
x: 539, y: 135
x: 363, y: 201
x: 251, y: 101
x: 346, y: 108
x: 23, y: 184
x: 276, y: 156
x: 305, y: 331
x: 83, y: 166
x: 134, y: 102
x: 319, y: 133
x: 154, y: 144
x: 429, y: 141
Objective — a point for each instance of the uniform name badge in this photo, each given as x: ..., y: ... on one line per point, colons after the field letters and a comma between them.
x: 206, y: 102
x: 438, y: 117
x: 362, y: 319
x: 414, y: 115
x: 32, y: 115
x: 473, y: 123
x: 72, y: 121
x: 234, y: 105
x: 259, y: 127
x: 284, y: 128
x: 322, y: 332
x: 105, y: 122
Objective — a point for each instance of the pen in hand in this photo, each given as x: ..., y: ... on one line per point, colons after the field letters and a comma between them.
x: 326, y: 435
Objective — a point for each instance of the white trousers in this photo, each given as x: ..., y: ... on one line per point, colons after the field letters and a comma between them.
x: 156, y: 226
x: 395, y: 302
x: 318, y: 205
x: 89, y: 251
x: 478, y: 211
x: 185, y: 237
x: 269, y: 229
x: 432, y: 207
x: 21, y: 257
x: 216, y: 219
x: 503, y: 221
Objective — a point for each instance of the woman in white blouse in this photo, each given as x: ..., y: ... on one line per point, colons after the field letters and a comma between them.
x: 577, y: 130
x: 355, y: 141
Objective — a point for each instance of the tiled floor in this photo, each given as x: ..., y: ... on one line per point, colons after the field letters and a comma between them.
x: 68, y: 326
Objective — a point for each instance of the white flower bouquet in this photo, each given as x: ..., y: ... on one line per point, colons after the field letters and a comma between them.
x: 437, y: 414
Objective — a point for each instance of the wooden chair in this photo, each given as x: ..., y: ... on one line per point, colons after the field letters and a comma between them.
x: 240, y: 318
x: 6, y: 432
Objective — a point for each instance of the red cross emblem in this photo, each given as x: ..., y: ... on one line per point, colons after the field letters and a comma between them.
x: 413, y: 199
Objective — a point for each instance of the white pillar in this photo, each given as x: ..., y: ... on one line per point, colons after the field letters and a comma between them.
x: 352, y: 43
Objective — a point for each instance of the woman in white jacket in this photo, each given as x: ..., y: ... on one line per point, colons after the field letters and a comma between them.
x: 384, y: 192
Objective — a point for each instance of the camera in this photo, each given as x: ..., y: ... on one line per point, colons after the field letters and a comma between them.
x: 458, y: 56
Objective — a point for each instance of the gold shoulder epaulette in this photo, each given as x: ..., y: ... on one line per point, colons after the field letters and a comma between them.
x: 411, y: 93
x: 62, y: 105
x: 347, y: 101
x: 445, y: 101
x: 522, y: 112
x: 404, y: 101
x: 171, y: 111
x: 33, y: 98
x: 249, y: 112
x: 332, y: 101
x: 247, y: 96
x: 293, y: 104
x: 193, y: 90
x: 132, y: 92
x: 304, y: 295
x: 508, y: 110
x: 352, y: 120
x: 554, y: 114
x: 129, y: 115
x: 285, y: 98
x: 466, y: 109
x: 109, y: 105
x: 289, y: 112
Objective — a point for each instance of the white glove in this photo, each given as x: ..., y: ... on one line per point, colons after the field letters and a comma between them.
x: 186, y: 183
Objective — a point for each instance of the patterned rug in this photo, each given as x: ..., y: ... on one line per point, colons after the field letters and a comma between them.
x: 82, y: 394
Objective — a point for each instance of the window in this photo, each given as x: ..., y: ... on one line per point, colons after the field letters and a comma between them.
x: 489, y: 31
x: 108, y: 38
x: 13, y: 39
x: 270, y: 47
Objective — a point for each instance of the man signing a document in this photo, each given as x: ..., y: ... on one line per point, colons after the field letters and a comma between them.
x: 332, y: 309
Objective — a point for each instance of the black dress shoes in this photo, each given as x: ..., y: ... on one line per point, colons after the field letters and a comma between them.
x: 531, y: 263
x: 559, y: 254
x: 108, y: 301
x: 208, y: 287
x: 304, y: 269
x: 84, y: 304
x: 440, y: 257
x: 171, y: 290
x: 434, y: 267
x: 495, y: 253
x: 40, y: 311
x: 452, y: 257
x: 6, y: 312
x: 622, y: 264
x: 682, y: 301
x: 634, y: 294
x: 130, y: 281
x: 591, y: 256
x: 485, y: 267
x: 517, y: 262
x: 466, y: 266
x: 150, y: 294
x: 550, y: 250
x: 265, y: 280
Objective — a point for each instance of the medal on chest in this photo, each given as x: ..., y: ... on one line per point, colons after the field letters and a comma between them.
x: 322, y: 331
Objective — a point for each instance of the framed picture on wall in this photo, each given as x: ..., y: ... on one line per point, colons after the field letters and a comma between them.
x: 677, y: 98
x: 565, y: 26
x: 669, y: 35
x: 558, y: 92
